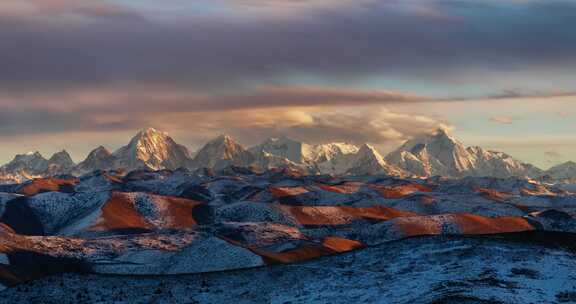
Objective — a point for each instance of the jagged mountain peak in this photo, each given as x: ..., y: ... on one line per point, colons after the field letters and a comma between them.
x: 148, y: 138
x: 302, y: 153
x: 327, y: 152
x: 434, y: 153
x: 62, y: 158
x: 290, y: 149
x: 33, y: 164
x: 100, y: 150
x: 30, y: 163
x: 150, y: 131
x: 366, y: 147
x: 369, y: 161
x: 220, y: 152
x: 60, y: 163
x: 152, y: 149
x: 28, y: 155
x: 568, y: 164
x: 224, y: 143
x: 61, y: 155
x: 98, y: 159
x: 98, y: 154
x: 367, y: 151
x: 149, y: 135
x: 439, y: 136
x: 442, y: 133
x: 439, y: 153
x: 224, y: 138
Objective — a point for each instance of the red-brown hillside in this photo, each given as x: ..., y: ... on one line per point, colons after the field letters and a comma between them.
x: 48, y: 184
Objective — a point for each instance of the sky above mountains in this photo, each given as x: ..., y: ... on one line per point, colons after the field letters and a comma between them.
x: 79, y: 73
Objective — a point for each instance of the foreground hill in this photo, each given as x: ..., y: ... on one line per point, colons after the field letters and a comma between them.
x: 182, y: 222
x: 416, y: 270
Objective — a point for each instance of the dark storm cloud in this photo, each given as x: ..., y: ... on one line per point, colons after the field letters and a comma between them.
x: 346, y: 44
x: 15, y: 123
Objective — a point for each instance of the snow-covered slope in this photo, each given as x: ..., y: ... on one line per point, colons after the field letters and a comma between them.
x: 343, y: 159
x: 498, y: 164
x: 330, y: 158
x: 303, y: 153
x: 265, y: 160
x: 284, y: 147
x: 325, y: 152
x: 420, y: 271
x: 441, y: 154
x: 368, y: 161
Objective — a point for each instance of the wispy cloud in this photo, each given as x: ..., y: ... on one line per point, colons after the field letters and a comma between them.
x: 524, y: 93
x: 369, y: 124
x: 505, y: 120
x: 117, y: 108
x: 101, y: 108
x: 553, y: 154
x: 54, y: 11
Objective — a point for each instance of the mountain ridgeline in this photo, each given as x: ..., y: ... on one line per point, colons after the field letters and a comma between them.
x: 436, y: 154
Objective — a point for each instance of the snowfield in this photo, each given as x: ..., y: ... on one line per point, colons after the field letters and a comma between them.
x: 417, y: 270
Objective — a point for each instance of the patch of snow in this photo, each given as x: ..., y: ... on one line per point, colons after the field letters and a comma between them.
x: 204, y: 254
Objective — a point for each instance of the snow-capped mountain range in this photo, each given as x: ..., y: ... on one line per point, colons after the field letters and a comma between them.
x: 437, y: 154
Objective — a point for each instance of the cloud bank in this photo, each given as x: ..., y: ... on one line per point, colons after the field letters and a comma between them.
x: 254, y: 68
x: 338, y: 44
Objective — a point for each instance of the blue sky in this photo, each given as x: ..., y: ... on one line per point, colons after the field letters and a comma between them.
x: 80, y: 73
